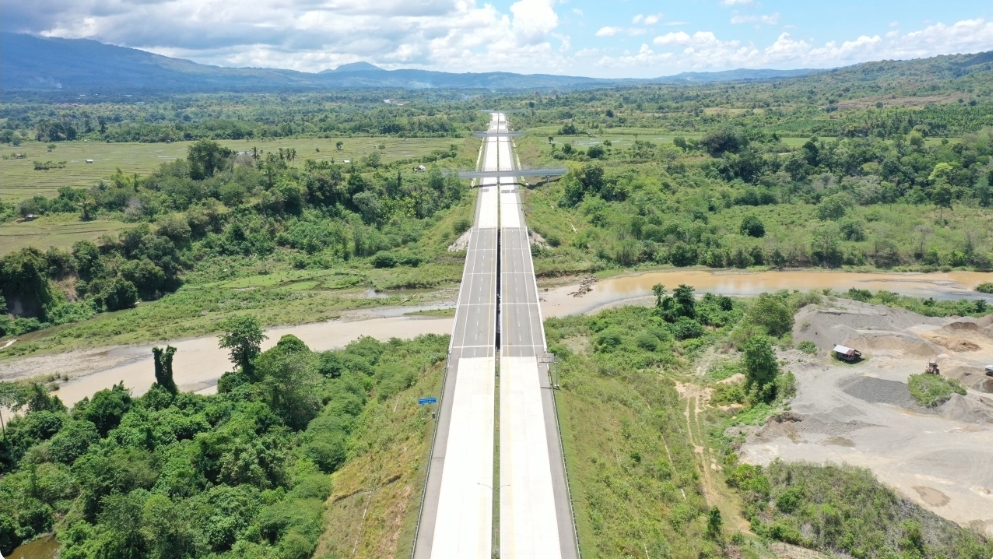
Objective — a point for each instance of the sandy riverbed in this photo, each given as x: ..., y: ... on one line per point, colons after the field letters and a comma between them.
x: 199, y: 362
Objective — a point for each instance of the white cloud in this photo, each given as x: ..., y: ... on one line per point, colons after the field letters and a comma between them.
x: 612, y: 31
x: 650, y: 19
x: 766, y: 19
x: 644, y: 57
x: 313, y: 35
x: 703, y: 50
x: 736, y: 2
x: 578, y: 12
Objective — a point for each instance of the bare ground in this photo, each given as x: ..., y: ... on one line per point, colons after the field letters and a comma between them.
x: 863, y: 414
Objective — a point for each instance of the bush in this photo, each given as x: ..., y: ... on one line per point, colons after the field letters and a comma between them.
x: 931, y: 391
x: 752, y: 227
x: 772, y: 314
x: 807, y: 346
x: 985, y: 287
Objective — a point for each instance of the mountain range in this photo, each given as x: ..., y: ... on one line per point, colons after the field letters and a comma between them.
x: 28, y: 62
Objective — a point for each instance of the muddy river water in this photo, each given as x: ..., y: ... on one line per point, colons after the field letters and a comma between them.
x: 199, y: 362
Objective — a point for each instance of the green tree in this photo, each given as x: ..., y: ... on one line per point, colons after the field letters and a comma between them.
x: 288, y: 373
x: 24, y: 281
x: 942, y: 196
x: 243, y: 337
x: 834, y: 207
x: 772, y: 314
x: 205, y: 158
x: 760, y: 367
x: 752, y: 226
x: 163, y: 368
x: 106, y: 408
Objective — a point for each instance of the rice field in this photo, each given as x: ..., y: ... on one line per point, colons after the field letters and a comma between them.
x: 59, y: 231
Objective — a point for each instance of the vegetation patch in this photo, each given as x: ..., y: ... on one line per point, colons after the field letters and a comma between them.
x: 846, y: 511
x: 931, y: 391
x: 244, y: 473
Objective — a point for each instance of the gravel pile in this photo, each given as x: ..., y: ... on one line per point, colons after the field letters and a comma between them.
x: 878, y: 391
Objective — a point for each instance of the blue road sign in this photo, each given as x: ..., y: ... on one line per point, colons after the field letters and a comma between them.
x: 426, y: 401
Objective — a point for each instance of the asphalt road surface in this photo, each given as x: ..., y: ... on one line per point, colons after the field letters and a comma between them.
x: 535, y: 519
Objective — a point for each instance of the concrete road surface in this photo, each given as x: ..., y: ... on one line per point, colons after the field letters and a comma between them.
x: 535, y: 512
x: 535, y: 517
x: 457, y: 514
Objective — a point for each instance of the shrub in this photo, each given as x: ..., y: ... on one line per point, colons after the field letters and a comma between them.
x: 772, y: 314
x: 931, y: 391
x: 807, y: 346
x: 752, y: 227
x: 461, y: 226
x: 686, y: 328
x: 985, y: 287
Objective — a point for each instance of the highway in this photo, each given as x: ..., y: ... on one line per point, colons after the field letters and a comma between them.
x: 457, y: 516
x: 535, y: 513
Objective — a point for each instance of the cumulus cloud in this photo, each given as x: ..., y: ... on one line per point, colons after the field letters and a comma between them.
x: 737, y: 2
x: 612, y: 31
x: 704, y: 50
x: 649, y: 19
x: 312, y: 35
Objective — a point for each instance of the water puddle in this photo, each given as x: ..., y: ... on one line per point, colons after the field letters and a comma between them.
x: 45, y: 547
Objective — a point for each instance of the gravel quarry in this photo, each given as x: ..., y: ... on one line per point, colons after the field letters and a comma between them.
x: 863, y: 414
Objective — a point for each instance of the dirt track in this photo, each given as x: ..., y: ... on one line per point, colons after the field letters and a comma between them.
x: 863, y: 414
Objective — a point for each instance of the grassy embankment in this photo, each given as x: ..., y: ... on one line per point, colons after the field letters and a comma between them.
x: 373, y: 509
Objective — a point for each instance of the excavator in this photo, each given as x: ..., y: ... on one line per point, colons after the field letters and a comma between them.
x: 932, y: 368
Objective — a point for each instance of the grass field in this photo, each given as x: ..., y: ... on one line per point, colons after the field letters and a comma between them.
x: 20, y: 180
x: 58, y: 230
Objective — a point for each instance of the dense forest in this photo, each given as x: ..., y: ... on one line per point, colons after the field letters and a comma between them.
x: 171, y: 474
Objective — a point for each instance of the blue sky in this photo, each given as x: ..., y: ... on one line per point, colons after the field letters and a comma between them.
x: 633, y: 38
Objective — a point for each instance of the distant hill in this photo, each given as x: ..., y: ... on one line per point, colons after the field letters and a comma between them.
x: 28, y: 62
x: 36, y: 63
x: 741, y: 74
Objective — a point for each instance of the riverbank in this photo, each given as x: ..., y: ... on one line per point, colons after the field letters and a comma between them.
x: 199, y: 362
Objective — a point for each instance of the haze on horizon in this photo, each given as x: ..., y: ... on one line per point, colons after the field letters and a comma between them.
x: 636, y: 38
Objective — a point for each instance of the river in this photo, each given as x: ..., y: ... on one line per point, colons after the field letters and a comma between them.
x: 199, y: 362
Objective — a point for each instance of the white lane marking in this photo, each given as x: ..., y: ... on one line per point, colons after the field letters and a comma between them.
x: 464, y: 522
x: 528, y: 524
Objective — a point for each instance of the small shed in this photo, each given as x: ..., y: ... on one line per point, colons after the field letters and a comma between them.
x: 847, y: 354
x: 30, y: 217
